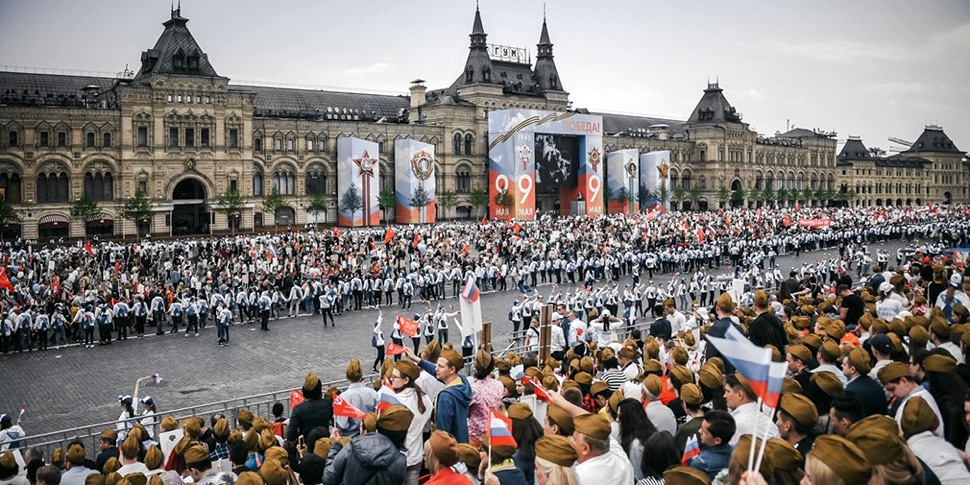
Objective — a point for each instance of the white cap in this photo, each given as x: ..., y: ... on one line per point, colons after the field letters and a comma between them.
x: 886, y: 287
x: 956, y: 280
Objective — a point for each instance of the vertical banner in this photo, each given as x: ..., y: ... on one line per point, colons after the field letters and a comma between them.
x: 623, y: 181
x: 415, y: 187
x: 655, y: 190
x: 544, y: 157
x: 358, y: 168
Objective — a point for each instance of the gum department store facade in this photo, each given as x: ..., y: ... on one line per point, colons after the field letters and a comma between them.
x: 183, y: 135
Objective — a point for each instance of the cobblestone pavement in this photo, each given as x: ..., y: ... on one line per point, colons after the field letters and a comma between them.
x: 73, y: 386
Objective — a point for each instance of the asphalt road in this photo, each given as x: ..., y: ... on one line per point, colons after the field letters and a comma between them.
x: 73, y: 386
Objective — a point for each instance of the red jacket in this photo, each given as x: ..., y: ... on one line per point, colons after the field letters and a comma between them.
x: 447, y: 476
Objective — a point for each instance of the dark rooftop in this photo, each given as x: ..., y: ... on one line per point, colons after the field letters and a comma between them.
x: 277, y: 102
x: 933, y: 139
x: 54, y: 90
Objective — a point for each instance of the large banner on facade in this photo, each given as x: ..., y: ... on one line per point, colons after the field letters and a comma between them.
x: 532, y: 150
x: 415, y: 189
x: 655, y: 181
x: 623, y: 182
x: 358, y: 168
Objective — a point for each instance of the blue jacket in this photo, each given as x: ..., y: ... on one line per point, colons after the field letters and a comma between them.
x: 870, y: 393
x: 713, y: 459
x: 451, y: 408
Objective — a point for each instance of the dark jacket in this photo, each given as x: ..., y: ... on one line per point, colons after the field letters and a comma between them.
x: 719, y: 329
x: 368, y: 459
x: 451, y: 409
x: 712, y: 459
x: 767, y: 329
x: 105, y: 455
x: 308, y: 415
x: 870, y: 393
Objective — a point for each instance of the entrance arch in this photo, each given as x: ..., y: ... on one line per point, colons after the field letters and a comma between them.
x: 285, y: 216
x: 189, y: 212
x: 947, y: 197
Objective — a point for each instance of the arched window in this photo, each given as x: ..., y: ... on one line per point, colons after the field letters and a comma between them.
x: 98, y: 186
x: 456, y: 144
x: 10, y: 183
x: 257, y: 182
x: 469, y: 143
x: 758, y: 182
x: 685, y: 182
x: 284, y: 181
x: 52, y: 187
x: 463, y: 180
x: 257, y: 144
x: 316, y: 181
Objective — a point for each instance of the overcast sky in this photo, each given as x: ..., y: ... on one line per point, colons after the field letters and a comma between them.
x: 874, y: 68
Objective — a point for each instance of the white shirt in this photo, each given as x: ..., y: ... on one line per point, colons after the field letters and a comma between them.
x: 662, y: 417
x: 941, y: 457
x: 923, y: 393
x: 414, y: 442
x: 833, y: 369
x: 677, y: 321
x: 610, y: 467
x: 749, y: 419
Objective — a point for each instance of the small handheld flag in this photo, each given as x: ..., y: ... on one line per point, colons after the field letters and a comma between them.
x: 408, y: 327
x: 388, y: 234
x: 296, y: 398
x: 156, y: 378
x: 394, y: 349
x: 540, y: 391
x: 471, y: 292
x: 387, y: 400
x: 691, y: 451
x: 500, y: 430
x: 343, y: 408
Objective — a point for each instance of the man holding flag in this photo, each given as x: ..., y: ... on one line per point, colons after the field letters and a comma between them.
x: 451, y: 408
x: 357, y: 396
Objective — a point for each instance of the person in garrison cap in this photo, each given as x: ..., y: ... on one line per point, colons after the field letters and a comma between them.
x: 600, y: 459
x: 363, y: 397
x: 451, y: 406
x: 199, y: 467
x: 797, y: 415
x: 315, y: 410
x: 75, y: 465
x: 372, y: 457
x: 899, y: 383
x: 856, y: 367
x: 129, y: 457
x: 918, y: 423
x: 836, y: 460
x: 109, y: 448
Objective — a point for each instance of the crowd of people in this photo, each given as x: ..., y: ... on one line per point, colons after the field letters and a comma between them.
x: 98, y: 293
x: 632, y: 391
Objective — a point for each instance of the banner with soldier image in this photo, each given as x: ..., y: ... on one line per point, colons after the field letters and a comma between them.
x: 415, y: 189
x: 358, y: 166
x: 555, y: 155
x: 623, y: 182
x: 655, y: 189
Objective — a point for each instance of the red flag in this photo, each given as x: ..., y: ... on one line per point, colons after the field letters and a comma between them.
x: 394, y: 349
x: 296, y: 398
x: 408, y: 327
x: 345, y: 409
x: 540, y: 391
x: 56, y: 284
x: 484, y: 220
x: 4, y: 281
x: 372, y: 246
x: 787, y: 221
x: 417, y: 239
x: 516, y: 228
x: 465, y: 249
x: 798, y: 206
x: 336, y: 232
x: 388, y: 234
x: 88, y: 248
x: 700, y: 234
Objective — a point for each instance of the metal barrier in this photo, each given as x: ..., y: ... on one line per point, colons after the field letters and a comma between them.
x: 259, y: 404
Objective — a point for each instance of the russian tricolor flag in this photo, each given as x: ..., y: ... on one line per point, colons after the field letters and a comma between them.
x: 387, y: 400
x: 752, y: 362
x: 470, y: 292
x: 691, y: 451
x: 156, y: 378
x: 500, y: 430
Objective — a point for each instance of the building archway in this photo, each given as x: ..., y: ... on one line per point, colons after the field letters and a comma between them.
x: 947, y: 198
x: 285, y: 216
x: 189, y: 212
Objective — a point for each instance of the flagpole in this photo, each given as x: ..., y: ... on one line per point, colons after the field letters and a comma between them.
x: 761, y: 452
x: 757, y: 426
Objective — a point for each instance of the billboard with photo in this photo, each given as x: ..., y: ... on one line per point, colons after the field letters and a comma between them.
x: 358, y: 172
x: 655, y: 190
x: 623, y: 182
x: 533, y: 150
x: 415, y: 188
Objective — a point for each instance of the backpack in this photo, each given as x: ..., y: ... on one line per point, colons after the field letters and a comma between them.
x: 373, y: 340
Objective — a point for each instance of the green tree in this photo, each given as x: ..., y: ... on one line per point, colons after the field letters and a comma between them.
x: 86, y: 210
x: 138, y: 209
x: 737, y: 196
x: 231, y: 204
x: 479, y: 197
x: 386, y: 199
x: 680, y: 195
x: 808, y: 195
x: 663, y: 195
x: 8, y: 215
x: 316, y: 205
x: 447, y: 199
x: 768, y: 195
x: 351, y: 201
x: 723, y: 195
x: 694, y: 194
x: 418, y: 199
x: 793, y: 195
x: 272, y: 202
x: 782, y: 195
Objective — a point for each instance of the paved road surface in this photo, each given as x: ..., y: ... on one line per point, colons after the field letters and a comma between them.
x: 73, y: 386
